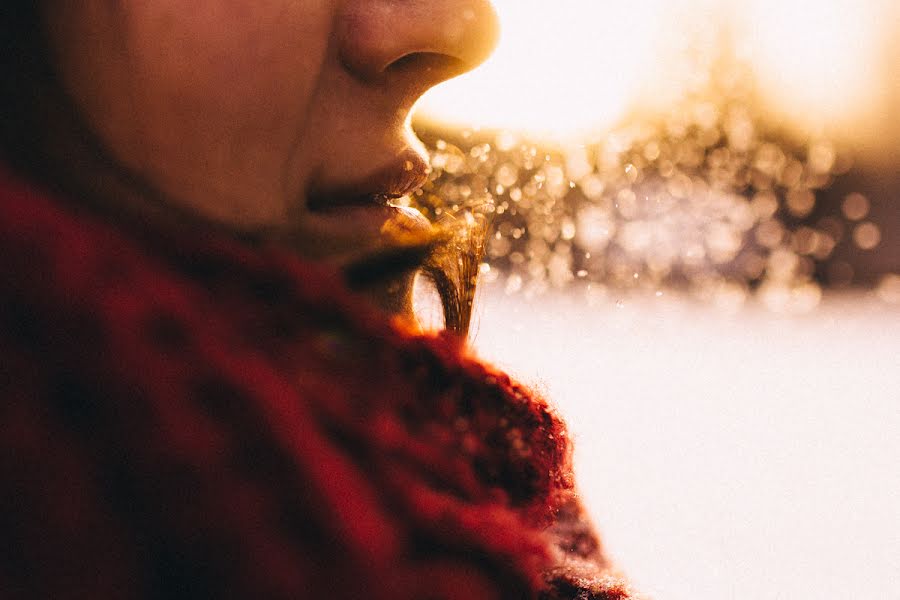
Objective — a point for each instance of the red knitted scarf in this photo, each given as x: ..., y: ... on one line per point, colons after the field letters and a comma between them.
x: 195, y: 417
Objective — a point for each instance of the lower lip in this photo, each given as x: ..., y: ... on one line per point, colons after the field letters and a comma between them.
x: 372, y: 217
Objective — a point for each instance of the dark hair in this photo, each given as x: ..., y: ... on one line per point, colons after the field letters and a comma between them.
x: 26, y: 80
x: 43, y: 137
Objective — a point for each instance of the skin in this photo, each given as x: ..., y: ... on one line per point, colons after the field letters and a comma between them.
x: 246, y: 111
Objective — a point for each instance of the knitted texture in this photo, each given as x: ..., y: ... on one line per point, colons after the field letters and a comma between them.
x: 195, y: 417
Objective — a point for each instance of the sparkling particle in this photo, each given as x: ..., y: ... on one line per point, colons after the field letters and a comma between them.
x: 801, y: 202
x: 712, y: 199
x: 631, y: 173
x: 764, y: 204
x: 856, y: 207
x: 568, y: 230
x: 513, y: 284
x: 867, y: 236
x: 889, y: 288
x: 822, y: 157
x: 770, y: 233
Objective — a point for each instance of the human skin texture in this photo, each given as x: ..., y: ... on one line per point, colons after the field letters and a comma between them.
x: 285, y: 115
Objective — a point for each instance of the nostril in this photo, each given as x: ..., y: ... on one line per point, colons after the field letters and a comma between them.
x: 435, y: 38
x: 433, y: 67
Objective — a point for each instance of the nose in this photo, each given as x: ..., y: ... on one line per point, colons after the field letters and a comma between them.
x: 427, y: 40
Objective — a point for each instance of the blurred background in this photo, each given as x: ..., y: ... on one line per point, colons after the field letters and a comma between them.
x: 694, y: 251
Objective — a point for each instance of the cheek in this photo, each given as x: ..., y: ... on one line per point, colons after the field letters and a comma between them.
x: 234, y: 76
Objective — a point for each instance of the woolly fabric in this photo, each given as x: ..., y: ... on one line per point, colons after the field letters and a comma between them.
x: 193, y: 417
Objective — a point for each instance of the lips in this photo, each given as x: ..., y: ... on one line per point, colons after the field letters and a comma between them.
x: 356, y: 223
x: 404, y: 175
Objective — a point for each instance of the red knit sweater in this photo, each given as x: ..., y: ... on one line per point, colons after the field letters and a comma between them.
x: 195, y: 417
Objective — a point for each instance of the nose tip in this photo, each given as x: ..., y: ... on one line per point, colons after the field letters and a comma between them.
x: 378, y: 36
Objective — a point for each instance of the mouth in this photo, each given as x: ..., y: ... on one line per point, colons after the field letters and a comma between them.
x: 378, y: 244
x: 362, y: 229
x: 404, y: 175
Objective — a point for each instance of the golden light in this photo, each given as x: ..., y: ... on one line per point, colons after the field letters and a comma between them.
x: 817, y: 62
x: 561, y: 67
x: 569, y: 68
x: 682, y: 258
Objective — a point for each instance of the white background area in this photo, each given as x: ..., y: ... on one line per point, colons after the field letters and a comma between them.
x: 750, y: 456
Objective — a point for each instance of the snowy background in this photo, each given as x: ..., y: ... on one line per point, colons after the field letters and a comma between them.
x: 747, y: 455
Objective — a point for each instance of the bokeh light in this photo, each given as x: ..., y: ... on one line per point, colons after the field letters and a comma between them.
x: 656, y: 146
x: 681, y: 223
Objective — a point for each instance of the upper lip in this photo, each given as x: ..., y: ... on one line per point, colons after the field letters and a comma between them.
x: 403, y: 175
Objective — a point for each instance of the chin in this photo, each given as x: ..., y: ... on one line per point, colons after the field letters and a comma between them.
x: 394, y: 296
x: 387, y: 278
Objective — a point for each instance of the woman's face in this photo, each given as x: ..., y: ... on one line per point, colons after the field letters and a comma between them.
x: 269, y: 113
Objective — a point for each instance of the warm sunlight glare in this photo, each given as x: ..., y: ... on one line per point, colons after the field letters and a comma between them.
x: 570, y: 67
x: 817, y: 62
x: 561, y: 67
